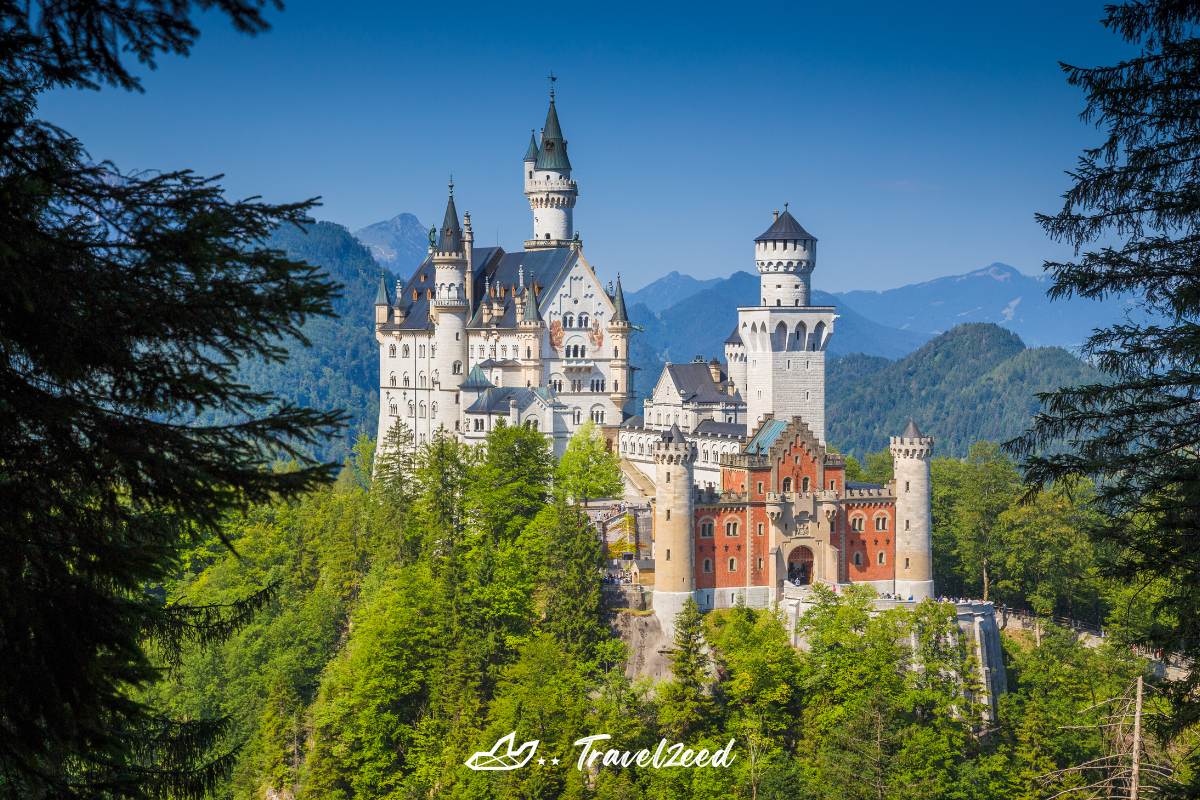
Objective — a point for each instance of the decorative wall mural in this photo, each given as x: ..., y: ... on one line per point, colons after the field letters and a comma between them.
x: 596, y: 335
x: 556, y: 334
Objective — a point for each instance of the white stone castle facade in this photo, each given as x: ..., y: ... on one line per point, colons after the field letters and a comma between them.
x: 532, y: 337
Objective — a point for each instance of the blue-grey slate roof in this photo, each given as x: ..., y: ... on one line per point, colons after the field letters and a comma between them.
x: 786, y: 227
x: 735, y: 337
x: 498, y: 400
x: 860, y: 485
x: 711, y: 426
x: 695, y: 384
x: 531, y: 152
x: 553, y: 151
x: 476, y: 380
x: 541, y: 268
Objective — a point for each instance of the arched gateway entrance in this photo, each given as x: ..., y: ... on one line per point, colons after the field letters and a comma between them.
x: 800, y: 565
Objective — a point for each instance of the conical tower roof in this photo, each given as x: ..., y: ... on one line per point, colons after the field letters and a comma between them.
x: 381, y: 297
x: 785, y: 227
x: 476, y: 380
x: 674, y: 436
x: 531, y: 153
x: 531, y: 306
x: 619, y: 314
x: 912, y: 431
x: 450, y: 238
x: 553, y: 152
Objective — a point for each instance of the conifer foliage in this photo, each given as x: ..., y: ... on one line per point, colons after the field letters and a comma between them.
x: 1132, y: 216
x: 128, y: 303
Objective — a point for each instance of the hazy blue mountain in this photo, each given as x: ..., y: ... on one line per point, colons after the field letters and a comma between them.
x: 699, y: 325
x: 998, y: 294
x: 668, y: 290
x: 400, y: 243
x: 976, y: 381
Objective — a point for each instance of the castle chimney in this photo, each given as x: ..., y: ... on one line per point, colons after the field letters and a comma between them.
x: 776, y: 213
x: 714, y: 368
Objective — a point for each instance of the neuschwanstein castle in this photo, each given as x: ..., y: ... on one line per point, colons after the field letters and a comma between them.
x: 747, y: 498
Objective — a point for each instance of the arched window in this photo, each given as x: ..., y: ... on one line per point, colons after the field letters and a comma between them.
x: 433, y: 410
x: 706, y: 530
x: 881, y: 523
x: 421, y: 411
x: 583, y: 320
x: 787, y: 485
x: 391, y: 351
x: 858, y: 559
x: 421, y: 381
x: 394, y: 409
x: 733, y: 565
x: 529, y: 352
x: 568, y: 321
x: 406, y: 380
x: 535, y: 424
x: 882, y: 558
x: 411, y: 408
x: 708, y: 565
x: 731, y: 529
x: 404, y: 351
x: 857, y: 524
x: 616, y: 353
x: 457, y: 368
x: 804, y: 485
x: 392, y: 379
x: 582, y: 351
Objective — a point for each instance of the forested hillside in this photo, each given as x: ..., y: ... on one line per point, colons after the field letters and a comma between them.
x: 340, y: 369
x: 974, y: 382
x: 417, y: 621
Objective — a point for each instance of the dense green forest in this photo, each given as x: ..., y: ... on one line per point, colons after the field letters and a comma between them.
x: 974, y: 382
x: 428, y: 607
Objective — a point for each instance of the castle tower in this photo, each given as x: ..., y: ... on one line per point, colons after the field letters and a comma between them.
x: 674, y: 556
x: 620, y: 392
x: 450, y: 309
x: 785, y: 337
x: 531, y: 331
x: 549, y: 187
x: 911, y: 452
x: 735, y: 361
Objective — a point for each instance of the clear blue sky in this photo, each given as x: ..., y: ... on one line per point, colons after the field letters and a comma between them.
x: 913, y: 140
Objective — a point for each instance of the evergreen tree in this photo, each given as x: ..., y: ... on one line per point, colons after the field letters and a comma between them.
x: 1131, y: 212
x: 128, y: 303
x: 587, y: 468
x: 683, y: 706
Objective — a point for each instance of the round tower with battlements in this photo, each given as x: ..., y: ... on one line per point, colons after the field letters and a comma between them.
x: 911, y: 452
x: 785, y: 255
x: 549, y: 187
x: 674, y: 557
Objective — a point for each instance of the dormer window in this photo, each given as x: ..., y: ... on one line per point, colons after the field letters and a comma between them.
x: 549, y: 147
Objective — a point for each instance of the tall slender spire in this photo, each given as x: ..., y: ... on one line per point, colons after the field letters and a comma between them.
x: 381, y: 297
x: 531, y: 153
x: 531, y: 306
x: 451, y: 233
x: 619, y: 313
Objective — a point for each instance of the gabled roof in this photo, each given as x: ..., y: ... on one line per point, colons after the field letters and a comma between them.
x: 766, y: 436
x: 735, y: 337
x: 695, y: 384
x: 532, y: 152
x: 381, y: 297
x: 619, y: 314
x: 492, y: 363
x: 476, y: 380
x: 553, y: 152
x: 786, y: 227
x: 450, y: 240
x: 912, y: 431
x: 499, y: 400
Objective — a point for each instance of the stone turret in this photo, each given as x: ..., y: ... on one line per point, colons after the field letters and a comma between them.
x: 620, y: 329
x: 674, y: 556
x: 549, y: 187
x: 911, y: 452
x: 531, y: 331
x: 735, y: 361
x: 785, y: 255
